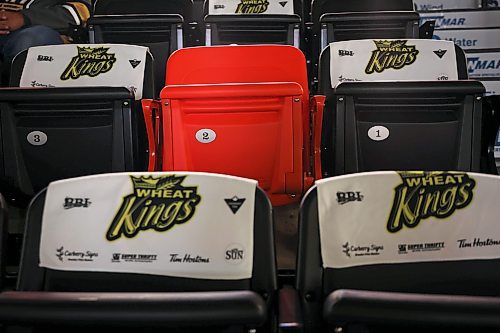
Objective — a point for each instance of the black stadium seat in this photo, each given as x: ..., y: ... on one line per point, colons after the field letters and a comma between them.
x: 429, y: 124
x: 169, y: 273
x: 157, y: 24
x: 59, y: 132
x: 334, y: 21
x: 253, y: 22
x: 437, y: 273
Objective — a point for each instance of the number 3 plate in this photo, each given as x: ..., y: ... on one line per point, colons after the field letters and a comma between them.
x: 36, y: 138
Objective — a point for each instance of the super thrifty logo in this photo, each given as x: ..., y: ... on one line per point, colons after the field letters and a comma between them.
x: 391, y: 54
x: 157, y: 203
x: 89, y: 61
x: 428, y: 194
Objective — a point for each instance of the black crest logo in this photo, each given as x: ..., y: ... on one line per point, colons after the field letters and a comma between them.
x: 156, y: 203
x: 283, y: 3
x: 234, y: 203
x: 134, y: 63
x: 440, y: 53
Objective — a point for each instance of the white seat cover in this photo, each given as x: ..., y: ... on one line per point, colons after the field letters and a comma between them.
x: 191, y: 225
x: 389, y: 217
x: 86, y: 65
x: 244, y: 7
x: 392, y: 59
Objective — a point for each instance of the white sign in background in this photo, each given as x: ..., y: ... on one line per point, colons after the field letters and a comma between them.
x: 423, y: 5
x: 470, y: 39
x: 463, y: 19
x: 355, y: 233
x: 216, y: 243
x: 349, y: 59
x: 45, y: 66
x: 233, y: 7
x: 483, y: 64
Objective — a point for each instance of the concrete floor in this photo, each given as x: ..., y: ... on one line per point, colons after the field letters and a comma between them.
x: 285, y: 228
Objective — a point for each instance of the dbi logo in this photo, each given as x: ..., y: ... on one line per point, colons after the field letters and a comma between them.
x: 252, y: 7
x: 428, y: 194
x: 89, y: 61
x: 345, y: 197
x: 391, y: 54
x: 157, y: 203
x: 76, y: 203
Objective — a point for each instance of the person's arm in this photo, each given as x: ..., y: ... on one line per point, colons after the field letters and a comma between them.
x: 57, y: 14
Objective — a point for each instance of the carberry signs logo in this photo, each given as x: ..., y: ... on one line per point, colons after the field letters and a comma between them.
x: 428, y: 194
x: 70, y: 255
x: 361, y: 250
x: 156, y: 203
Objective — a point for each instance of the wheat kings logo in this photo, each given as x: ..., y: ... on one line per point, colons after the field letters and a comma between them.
x: 252, y: 7
x: 428, y: 194
x: 90, y: 61
x: 157, y: 203
x: 391, y: 54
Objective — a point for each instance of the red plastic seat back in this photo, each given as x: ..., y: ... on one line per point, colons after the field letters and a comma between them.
x: 239, y: 64
x: 254, y: 101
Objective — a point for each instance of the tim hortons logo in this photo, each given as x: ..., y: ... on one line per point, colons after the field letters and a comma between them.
x: 428, y: 194
x: 252, y: 7
x: 156, y: 203
x: 90, y: 61
x: 391, y: 54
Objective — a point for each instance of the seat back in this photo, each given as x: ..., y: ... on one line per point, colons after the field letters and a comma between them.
x: 379, y: 125
x: 253, y: 22
x: 156, y: 24
x: 155, y: 233
x: 80, y: 120
x: 334, y: 21
x: 409, y: 232
x: 245, y: 106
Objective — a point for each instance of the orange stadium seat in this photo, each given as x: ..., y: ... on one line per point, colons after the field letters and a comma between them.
x: 239, y: 110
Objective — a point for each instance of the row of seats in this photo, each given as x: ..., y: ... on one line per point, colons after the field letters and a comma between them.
x: 164, y: 29
x: 245, y: 106
x: 125, y: 251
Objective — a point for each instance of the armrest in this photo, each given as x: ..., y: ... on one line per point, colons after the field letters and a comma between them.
x: 142, y: 310
x: 152, y: 116
x: 394, y: 308
x: 231, y: 90
x: 317, y: 108
x: 135, y: 18
x: 290, y: 318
